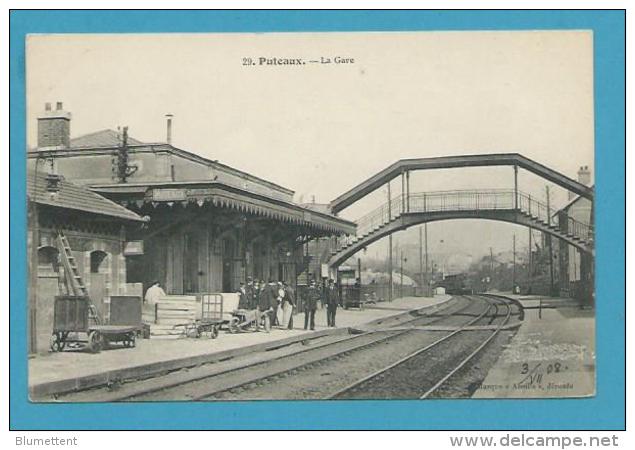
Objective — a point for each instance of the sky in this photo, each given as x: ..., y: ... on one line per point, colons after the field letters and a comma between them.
x: 321, y: 129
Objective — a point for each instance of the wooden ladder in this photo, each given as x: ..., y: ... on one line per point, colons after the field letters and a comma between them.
x: 73, y: 278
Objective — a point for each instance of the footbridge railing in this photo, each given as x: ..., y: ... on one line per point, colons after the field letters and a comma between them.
x: 481, y: 200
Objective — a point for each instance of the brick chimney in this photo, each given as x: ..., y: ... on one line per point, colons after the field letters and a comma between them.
x: 169, y: 129
x: 53, y: 128
x: 584, y: 175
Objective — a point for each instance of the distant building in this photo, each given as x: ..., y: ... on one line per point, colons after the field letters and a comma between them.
x: 575, y: 268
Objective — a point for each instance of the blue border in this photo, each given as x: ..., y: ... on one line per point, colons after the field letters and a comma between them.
x: 605, y: 411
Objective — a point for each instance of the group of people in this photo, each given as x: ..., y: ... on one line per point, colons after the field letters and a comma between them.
x: 326, y: 295
x: 275, y: 302
x: 271, y: 300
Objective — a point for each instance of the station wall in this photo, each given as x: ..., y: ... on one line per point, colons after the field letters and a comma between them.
x: 100, y: 262
x: 197, y: 257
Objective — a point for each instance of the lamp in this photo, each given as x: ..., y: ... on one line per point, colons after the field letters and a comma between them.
x: 53, y: 183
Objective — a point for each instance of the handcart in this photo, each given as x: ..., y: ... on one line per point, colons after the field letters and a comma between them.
x: 212, y: 316
x: 72, y: 325
x: 217, y: 310
x: 244, y: 319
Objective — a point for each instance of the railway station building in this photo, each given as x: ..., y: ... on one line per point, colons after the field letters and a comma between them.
x: 96, y: 230
x: 208, y: 226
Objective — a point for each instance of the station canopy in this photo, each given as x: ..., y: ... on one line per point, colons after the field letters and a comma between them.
x: 140, y: 196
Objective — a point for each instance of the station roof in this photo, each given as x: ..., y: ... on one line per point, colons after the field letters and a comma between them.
x: 101, y: 138
x: 71, y: 196
x: 107, y: 140
x: 222, y: 195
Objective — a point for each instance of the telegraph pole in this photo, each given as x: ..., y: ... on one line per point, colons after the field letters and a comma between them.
x: 421, y: 256
x: 124, y: 169
x: 401, y: 272
x: 358, y: 294
x: 428, y: 278
x: 530, y: 274
x: 491, y: 267
x: 389, y: 248
x: 550, y: 243
x: 514, y: 265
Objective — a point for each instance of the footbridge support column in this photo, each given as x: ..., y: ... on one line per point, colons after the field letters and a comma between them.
x: 403, y: 191
x: 515, y: 186
x: 407, y: 191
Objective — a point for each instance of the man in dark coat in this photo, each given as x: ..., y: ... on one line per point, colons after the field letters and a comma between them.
x: 268, y: 300
x: 250, y: 294
x: 275, y: 303
x: 310, y: 305
x: 243, y: 300
x: 287, y: 305
x: 332, y: 300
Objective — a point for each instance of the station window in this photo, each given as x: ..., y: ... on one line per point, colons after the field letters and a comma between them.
x: 98, y: 260
x: 48, y: 260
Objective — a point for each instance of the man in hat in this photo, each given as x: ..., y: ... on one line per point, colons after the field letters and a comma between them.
x: 243, y: 302
x: 288, y: 304
x: 332, y: 300
x: 280, y: 309
x: 310, y: 305
x: 274, y: 301
x: 268, y: 303
x: 250, y: 293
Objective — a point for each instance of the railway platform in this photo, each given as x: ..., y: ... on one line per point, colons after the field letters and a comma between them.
x: 551, y: 355
x: 70, y: 370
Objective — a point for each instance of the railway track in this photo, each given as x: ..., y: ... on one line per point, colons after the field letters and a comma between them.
x: 234, y: 379
x: 227, y: 386
x: 273, y: 363
x: 426, y: 371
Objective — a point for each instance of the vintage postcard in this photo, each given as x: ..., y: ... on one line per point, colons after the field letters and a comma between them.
x: 308, y: 216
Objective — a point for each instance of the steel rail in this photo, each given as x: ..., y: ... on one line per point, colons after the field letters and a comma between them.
x: 330, y: 356
x: 471, y: 355
x: 409, y: 356
x: 123, y: 396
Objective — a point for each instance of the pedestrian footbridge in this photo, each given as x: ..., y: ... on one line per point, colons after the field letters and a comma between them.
x: 510, y: 206
x: 506, y: 205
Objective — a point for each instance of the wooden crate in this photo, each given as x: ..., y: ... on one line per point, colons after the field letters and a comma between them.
x: 125, y: 310
x: 170, y: 315
x: 70, y: 313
